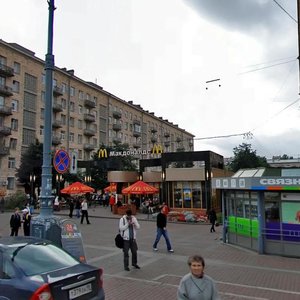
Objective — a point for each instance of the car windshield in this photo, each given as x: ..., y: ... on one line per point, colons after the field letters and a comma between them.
x: 39, y: 258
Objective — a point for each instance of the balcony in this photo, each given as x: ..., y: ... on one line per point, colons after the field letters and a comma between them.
x: 167, y: 134
x: 4, y: 150
x: 4, y: 130
x: 89, y: 103
x: 153, y: 130
x: 136, y: 122
x: 57, y: 124
x: 57, y: 91
x: 117, y: 140
x: 117, y: 114
x: 6, y: 71
x: 180, y: 149
x: 57, y: 107
x: 153, y: 139
x: 117, y: 127
x: 56, y: 140
x: 5, y: 110
x: 136, y: 133
x: 89, y: 132
x: 167, y: 144
x: 137, y: 145
x: 178, y: 139
x: 89, y: 118
x: 5, y: 90
x: 88, y: 147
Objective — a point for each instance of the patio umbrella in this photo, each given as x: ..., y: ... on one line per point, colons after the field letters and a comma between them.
x: 111, y: 188
x: 140, y: 187
x: 77, y: 188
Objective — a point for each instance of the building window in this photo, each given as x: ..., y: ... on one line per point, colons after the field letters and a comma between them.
x: 64, y: 88
x: 29, y: 119
x: 79, y: 154
x: 11, y: 163
x: 29, y: 101
x: 13, y: 143
x: 64, y: 103
x: 79, y: 139
x: 72, y: 91
x: 14, y: 124
x: 43, y: 97
x: 62, y: 135
x: 16, y: 86
x: 88, y: 96
x: 17, y: 68
x: 71, y: 137
x: 30, y: 83
x: 28, y: 136
x: 43, y: 79
x: 80, y: 95
x: 72, y: 122
x: 63, y: 119
x: 42, y: 113
x: 79, y: 124
x: 80, y: 111
x: 10, y: 183
x: 15, y: 105
x: 72, y: 106
x: 42, y: 130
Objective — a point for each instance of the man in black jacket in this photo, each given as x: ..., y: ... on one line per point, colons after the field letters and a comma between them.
x: 161, y: 223
x: 15, y: 222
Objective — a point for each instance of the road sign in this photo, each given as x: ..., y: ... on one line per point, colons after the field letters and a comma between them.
x: 73, y: 164
x: 61, y: 161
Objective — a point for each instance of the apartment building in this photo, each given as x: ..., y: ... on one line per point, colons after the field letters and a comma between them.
x: 85, y: 116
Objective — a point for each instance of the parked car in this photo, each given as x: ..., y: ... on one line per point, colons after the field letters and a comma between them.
x: 35, y: 269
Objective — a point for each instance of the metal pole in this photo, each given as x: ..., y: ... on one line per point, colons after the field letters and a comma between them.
x: 46, y: 198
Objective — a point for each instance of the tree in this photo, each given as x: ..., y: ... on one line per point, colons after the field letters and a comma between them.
x: 245, y: 157
x: 31, y: 164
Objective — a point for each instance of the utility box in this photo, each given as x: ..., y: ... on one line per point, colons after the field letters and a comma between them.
x: 62, y: 232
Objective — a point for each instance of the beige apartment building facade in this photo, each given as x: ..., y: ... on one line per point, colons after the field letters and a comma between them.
x: 84, y: 115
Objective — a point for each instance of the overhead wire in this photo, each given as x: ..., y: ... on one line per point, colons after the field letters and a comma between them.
x: 281, y: 7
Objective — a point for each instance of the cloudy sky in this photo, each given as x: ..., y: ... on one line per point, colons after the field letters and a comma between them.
x: 165, y: 54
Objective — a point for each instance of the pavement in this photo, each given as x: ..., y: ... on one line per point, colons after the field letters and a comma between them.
x: 239, y: 273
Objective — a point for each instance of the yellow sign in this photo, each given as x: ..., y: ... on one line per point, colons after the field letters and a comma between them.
x: 157, y: 149
x: 102, y: 153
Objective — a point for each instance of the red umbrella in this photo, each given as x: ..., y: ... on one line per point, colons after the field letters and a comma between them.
x: 111, y: 188
x: 77, y: 188
x: 140, y: 187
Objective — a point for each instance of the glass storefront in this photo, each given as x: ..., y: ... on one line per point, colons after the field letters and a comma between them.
x: 185, y: 194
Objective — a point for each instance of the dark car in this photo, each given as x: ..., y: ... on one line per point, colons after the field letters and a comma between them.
x: 35, y: 269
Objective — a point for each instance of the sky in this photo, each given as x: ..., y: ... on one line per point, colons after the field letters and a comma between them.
x: 224, y: 70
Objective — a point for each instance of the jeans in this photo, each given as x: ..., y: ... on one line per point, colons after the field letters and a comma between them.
x: 159, y: 233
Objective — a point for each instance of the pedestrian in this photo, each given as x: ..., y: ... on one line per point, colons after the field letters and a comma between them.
x: 26, y: 221
x: 71, y: 208
x: 128, y: 225
x: 77, y: 208
x: 161, y: 224
x: 2, y: 204
x: 15, y: 222
x: 165, y: 209
x: 84, y: 211
x: 212, y: 216
x: 197, y: 285
x: 112, y: 201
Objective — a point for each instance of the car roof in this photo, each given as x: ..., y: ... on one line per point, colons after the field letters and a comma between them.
x: 23, y: 240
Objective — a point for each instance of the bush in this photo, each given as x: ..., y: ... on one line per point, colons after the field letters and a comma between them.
x: 16, y: 200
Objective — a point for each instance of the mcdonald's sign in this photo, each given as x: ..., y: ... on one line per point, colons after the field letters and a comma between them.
x: 157, y: 149
x: 102, y: 153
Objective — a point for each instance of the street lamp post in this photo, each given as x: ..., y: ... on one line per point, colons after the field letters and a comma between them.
x: 32, y: 178
x: 59, y: 179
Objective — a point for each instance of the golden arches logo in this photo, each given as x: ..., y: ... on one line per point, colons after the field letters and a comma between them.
x: 157, y: 149
x: 102, y: 153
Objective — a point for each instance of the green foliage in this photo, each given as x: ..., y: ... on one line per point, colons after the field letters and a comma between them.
x: 245, y: 157
x: 16, y: 200
x: 31, y: 163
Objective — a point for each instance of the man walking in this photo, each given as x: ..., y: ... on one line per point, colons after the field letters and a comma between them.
x: 128, y: 225
x: 84, y: 212
x: 161, y: 223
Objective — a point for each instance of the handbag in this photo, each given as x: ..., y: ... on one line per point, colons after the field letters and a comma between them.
x: 119, y: 241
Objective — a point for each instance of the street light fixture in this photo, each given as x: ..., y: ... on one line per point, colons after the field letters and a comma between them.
x: 87, y: 178
x: 59, y: 178
x: 32, y: 178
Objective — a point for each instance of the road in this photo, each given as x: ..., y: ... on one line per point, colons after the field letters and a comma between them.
x: 239, y: 273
